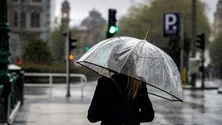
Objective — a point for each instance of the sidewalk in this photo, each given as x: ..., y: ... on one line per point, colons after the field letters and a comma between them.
x: 199, y: 108
x: 55, y: 111
x: 209, y: 84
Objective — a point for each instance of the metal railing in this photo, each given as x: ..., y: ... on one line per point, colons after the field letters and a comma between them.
x: 83, y: 79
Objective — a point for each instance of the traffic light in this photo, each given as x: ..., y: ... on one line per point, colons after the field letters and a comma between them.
x: 200, y: 41
x: 19, y: 62
x: 72, y: 42
x: 201, y: 45
x: 112, y: 28
x: 71, y: 56
x: 86, y: 48
x: 201, y: 68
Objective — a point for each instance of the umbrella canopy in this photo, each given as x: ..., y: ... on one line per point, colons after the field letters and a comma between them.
x: 138, y: 59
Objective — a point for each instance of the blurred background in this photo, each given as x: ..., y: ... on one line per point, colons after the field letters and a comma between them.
x: 38, y: 21
x: 47, y: 37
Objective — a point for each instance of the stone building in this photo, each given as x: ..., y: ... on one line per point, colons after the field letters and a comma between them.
x: 217, y: 25
x: 94, y: 25
x: 27, y: 20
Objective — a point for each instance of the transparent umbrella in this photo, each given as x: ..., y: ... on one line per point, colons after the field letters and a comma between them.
x: 138, y: 59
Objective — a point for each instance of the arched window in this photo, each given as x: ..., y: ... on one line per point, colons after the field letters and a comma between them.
x: 23, y: 19
x: 35, y: 19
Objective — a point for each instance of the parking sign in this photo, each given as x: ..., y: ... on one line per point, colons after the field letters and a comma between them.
x: 171, y: 24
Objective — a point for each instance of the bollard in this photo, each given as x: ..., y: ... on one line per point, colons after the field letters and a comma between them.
x: 14, y: 94
x: 21, y: 86
x: 16, y: 97
x: 17, y: 78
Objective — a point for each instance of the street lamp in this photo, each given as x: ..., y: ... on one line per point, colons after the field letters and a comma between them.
x: 4, y: 54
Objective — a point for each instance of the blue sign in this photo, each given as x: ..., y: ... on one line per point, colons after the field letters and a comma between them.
x: 171, y: 24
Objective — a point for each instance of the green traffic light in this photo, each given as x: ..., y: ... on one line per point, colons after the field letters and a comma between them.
x: 117, y: 29
x: 87, y: 48
x: 113, y: 29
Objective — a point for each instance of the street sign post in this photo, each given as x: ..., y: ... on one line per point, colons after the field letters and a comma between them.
x: 172, y: 27
x: 171, y: 24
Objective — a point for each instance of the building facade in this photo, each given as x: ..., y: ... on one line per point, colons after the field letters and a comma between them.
x: 48, y: 25
x: 95, y: 25
x: 27, y: 19
x: 217, y: 25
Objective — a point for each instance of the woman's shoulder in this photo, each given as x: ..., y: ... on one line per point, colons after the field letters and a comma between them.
x: 105, y: 83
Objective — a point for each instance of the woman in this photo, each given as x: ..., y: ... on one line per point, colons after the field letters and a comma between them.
x: 112, y: 107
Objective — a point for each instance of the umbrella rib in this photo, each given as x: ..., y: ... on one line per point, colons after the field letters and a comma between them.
x: 167, y: 70
x: 94, y: 65
x: 134, y: 78
x: 160, y: 96
x: 172, y: 100
x: 142, y: 47
x: 129, y: 55
x: 107, y: 60
x: 146, y: 56
x: 163, y: 91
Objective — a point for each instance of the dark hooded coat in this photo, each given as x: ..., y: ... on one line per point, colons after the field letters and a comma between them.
x: 109, y: 107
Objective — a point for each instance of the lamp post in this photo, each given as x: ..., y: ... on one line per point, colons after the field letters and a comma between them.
x: 193, y: 52
x: 4, y: 54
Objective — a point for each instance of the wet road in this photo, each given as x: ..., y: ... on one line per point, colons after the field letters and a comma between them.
x: 200, y: 107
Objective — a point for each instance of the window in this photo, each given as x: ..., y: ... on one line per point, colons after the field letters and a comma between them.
x: 15, y: 21
x: 37, y: 1
x: 219, y: 14
x: 23, y: 19
x: 35, y: 19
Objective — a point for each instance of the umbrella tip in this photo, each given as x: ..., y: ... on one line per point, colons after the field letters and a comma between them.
x: 147, y: 32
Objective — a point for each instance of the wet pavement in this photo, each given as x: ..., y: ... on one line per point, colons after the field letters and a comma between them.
x: 48, y: 106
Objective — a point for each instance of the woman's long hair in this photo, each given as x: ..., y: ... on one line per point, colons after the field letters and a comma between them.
x: 133, y: 87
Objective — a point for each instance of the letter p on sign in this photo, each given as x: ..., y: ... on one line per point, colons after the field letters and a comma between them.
x: 171, y: 24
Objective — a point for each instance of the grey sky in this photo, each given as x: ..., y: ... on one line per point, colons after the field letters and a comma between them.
x: 80, y: 8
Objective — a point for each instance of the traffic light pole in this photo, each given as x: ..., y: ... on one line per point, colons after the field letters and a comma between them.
x: 70, y: 45
x: 193, y: 53
x: 181, y: 50
x: 67, y: 66
x: 203, y: 70
x: 201, y: 45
